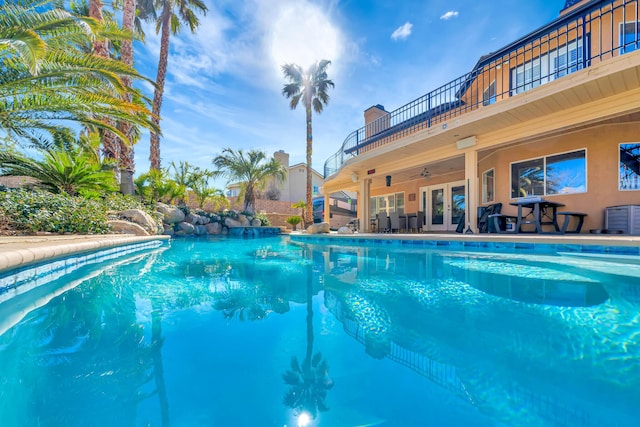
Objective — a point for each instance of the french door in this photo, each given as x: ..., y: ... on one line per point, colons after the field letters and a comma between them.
x: 444, y: 205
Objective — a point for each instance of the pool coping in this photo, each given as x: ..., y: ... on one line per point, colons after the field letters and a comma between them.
x: 622, y: 244
x: 21, y: 251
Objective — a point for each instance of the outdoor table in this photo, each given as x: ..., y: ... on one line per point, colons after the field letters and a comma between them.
x: 543, y: 212
x: 408, y: 218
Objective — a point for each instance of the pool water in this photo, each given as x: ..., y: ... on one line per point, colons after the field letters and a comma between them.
x: 269, y: 332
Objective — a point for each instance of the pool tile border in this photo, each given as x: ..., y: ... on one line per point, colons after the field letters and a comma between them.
x: 49, y: 270
x: 456, y: 243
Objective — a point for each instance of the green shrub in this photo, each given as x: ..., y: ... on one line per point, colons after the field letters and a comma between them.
x: 264, y: 221
x: 34, y: 211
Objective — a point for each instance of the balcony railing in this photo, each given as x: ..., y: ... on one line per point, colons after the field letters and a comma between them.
x: 584, y: 37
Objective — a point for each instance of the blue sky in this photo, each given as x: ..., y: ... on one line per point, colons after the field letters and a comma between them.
x: 224, y: 82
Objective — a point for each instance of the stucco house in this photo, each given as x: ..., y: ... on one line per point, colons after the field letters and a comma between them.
x: 292, y: 189
x: 554, y: 114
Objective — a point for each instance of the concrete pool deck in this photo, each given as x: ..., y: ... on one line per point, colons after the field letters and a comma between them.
x: 19, y: 251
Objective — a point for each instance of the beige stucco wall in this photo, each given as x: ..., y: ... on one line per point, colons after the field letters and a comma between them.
x: 601, y: 144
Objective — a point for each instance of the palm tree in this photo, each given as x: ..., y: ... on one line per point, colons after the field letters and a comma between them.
x: 126, y: 159
x: 251, y: 170
x: 47, y: 80
x: 169, y: 21
x: 60, y: 171
x: 310, y: 86
x: 202, y: 190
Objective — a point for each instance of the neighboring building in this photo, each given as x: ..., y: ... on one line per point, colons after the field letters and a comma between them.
x: 292, y: 189
x: 554, y: 114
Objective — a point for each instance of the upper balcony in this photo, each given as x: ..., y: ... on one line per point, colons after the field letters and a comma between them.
x: 582, y: 37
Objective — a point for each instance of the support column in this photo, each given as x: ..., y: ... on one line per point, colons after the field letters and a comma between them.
x: 363, y: 204
x: 327, y: 209
x: 471, y: 182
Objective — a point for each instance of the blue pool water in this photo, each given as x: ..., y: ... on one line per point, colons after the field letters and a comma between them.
x: 232, y: 332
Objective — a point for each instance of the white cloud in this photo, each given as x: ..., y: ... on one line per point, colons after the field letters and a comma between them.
x: 450, y: 14
x: 402, y: 32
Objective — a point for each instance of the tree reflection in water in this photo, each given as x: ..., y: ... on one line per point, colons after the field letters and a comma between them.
x: 308, y: 383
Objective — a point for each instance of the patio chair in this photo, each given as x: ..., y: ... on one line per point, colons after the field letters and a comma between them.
x: 485, y: 224
x: 394, y: 220
x: 416, y: 222
x: 382, y: 222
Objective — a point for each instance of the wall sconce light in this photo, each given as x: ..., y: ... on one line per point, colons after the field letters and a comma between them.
x: 388, y: 179
x: 354, y: 177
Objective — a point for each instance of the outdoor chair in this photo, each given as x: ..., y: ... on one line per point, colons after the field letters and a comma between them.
x: 485, y: 224
x: 382, y: 222
x: 416, y: 222
x: 394, y: 220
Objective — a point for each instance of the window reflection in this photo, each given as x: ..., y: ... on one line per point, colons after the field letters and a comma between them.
x: 629, y: 167
x: 557, y: 174
x: 566, y: 173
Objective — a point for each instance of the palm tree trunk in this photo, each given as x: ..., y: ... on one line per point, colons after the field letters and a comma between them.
x: 154, y: 149
x: 309, y: 210
x: 127, y: 164
x: 110, y: 149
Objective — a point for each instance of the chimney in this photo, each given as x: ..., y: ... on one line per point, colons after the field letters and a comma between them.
x: 281, y: 157
x: 376, y: 119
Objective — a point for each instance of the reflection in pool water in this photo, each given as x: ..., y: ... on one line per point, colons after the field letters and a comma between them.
x: 266, y: 332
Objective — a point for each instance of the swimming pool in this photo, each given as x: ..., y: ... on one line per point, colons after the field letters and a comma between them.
x: 233, y: 332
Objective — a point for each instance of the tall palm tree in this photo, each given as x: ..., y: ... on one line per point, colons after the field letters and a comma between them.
x: 47, y: 80
x: 110, y: 145
x: 310, y: 86
x: 169, y: 21
x: 126, y: 152
x: 252, y: 170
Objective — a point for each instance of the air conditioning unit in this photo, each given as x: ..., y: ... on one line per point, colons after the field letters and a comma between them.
x: 625, y: 218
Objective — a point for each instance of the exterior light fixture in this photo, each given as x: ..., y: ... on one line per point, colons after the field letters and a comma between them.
x: 388, y: 179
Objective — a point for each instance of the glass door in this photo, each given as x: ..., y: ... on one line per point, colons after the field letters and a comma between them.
x: 444, y: 205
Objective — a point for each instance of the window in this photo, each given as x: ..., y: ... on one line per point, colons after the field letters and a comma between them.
x: 488, y: 186
x: 315, y: 189
x: 386, y: 203
x: 556, y: 63
x: 629, y: 36
x: 489, y: 95
x: 568, y: 59
x: 566, y: 173
x: 527, y: 76
x: 629, y: 178
x: 556, y: 174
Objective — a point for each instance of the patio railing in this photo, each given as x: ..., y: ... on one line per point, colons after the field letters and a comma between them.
x: 579, y: 39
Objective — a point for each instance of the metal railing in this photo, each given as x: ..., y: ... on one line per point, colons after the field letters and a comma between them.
x: 583, y: 37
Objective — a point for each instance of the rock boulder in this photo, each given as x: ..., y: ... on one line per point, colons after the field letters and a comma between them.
x: 141, y: 218
x: 319, y: 228
x: 345, y: 230
x: 125, y: 227
x: 171, y: 213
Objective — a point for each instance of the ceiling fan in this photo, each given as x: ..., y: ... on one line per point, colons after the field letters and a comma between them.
x: 424, y: 174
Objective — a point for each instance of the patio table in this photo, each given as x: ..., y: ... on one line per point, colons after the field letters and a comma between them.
x: 541, y: 212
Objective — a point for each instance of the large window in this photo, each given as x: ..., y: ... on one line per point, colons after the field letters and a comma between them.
x: 386, y: 203
x: 488, y: 186
x: 629, y: 178
x: 629, y: 36
x: 547, y: 67
x: 563, y: 173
